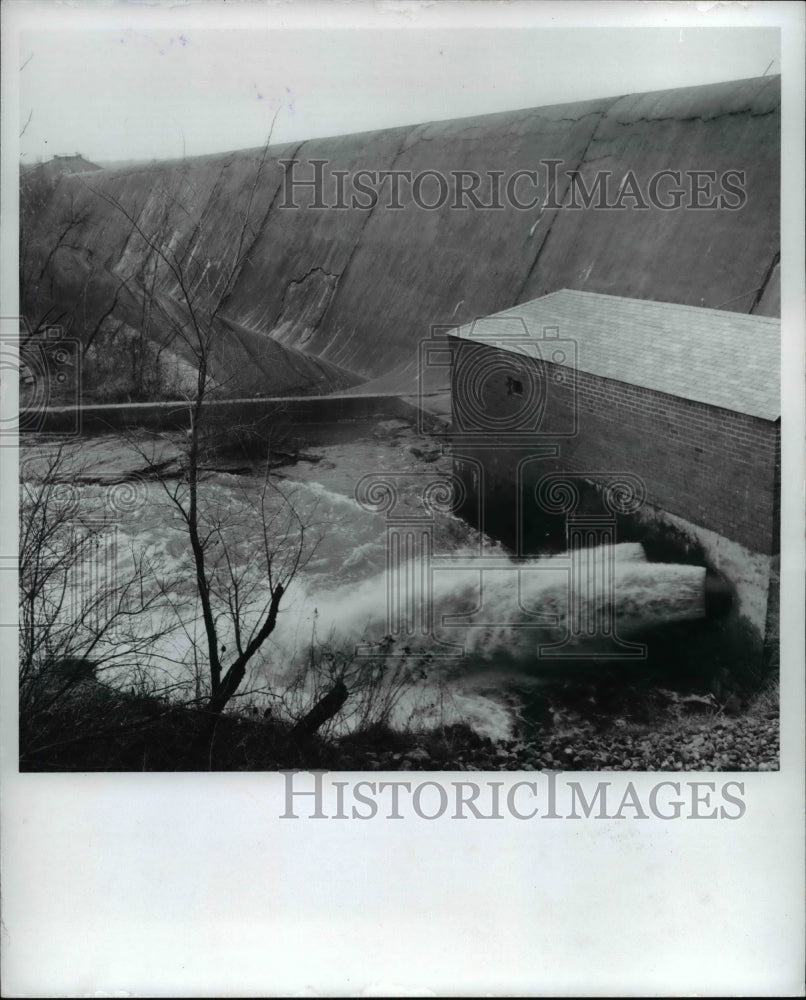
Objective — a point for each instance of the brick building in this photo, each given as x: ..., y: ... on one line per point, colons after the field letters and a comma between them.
x: 687, y: 399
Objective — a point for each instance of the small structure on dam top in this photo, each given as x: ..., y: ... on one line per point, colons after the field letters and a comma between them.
x: 582, y: 387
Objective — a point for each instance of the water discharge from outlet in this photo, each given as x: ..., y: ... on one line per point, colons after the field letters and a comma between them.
x: 487, y: 608
x: 495, y: 624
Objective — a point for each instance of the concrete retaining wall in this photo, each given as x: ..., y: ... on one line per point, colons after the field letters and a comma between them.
x: 327, y: 413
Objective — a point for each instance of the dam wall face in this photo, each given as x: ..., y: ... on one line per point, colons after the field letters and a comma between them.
x: 359, y: 283
x: 678, y: 256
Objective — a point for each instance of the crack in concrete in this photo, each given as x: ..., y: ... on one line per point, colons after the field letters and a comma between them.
x: 309, y: 272
x: 602, y: 115
x: 698, y: 118
x: 299, y: 281
x: 763, y: 286
x: 483, y: 129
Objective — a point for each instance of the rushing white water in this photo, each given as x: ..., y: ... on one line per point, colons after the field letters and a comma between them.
x: 434, y: 637
x: 487, y: 629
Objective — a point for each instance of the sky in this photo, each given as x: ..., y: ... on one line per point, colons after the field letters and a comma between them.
x: 140, y: 91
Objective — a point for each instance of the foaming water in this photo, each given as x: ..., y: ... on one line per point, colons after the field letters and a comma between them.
x: 439, y: 640
x: 487, y: 609
x: 491, y: 627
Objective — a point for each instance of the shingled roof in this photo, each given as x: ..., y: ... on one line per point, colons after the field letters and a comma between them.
x: 726, y: 359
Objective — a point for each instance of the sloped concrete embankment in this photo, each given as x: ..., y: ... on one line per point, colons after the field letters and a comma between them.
x: 359, y: 288
x: 242, y: 361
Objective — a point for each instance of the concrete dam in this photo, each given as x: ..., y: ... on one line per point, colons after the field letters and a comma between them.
x: 671, y: 197
x: 358, y: 287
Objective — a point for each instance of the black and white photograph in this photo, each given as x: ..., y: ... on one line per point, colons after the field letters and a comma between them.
x: 395, y: 403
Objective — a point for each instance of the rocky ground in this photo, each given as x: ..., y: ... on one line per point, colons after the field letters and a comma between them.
x: 707, y: 741
x: 739, y: 744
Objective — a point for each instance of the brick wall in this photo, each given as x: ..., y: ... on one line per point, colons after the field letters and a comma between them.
x: 714, y: 467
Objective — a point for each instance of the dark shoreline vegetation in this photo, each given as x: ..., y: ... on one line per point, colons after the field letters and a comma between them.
x: 98, y: 728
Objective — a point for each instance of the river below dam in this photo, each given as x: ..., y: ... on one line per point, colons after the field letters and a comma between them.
x: 426, y: 621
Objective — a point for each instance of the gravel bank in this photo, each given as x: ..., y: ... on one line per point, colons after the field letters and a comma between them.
x: 714, y: 743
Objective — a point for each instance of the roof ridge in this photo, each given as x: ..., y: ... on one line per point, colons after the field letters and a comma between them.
x: 691, y: 352
x: 654, y: 304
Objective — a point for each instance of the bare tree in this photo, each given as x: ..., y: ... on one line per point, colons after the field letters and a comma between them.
x: 86, y: 614
x: 170, y: 287
x: 239, y: 598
